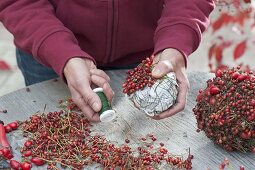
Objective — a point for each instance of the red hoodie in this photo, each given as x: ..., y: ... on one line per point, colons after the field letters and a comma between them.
x: 110, y: 32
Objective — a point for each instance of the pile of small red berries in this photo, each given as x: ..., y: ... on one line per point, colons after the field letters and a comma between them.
x: 139, y: 77
x: 225, y: 110
x: 63, y: 138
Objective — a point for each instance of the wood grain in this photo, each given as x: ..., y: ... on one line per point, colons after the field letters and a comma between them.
x: 178, y: 132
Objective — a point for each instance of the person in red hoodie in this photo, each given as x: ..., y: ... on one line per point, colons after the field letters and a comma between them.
x: 78, y: 39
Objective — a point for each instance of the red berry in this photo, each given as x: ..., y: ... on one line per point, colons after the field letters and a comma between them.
x: 125, y: 90
x: 6, y: 151
x: 8, y: 156
x: 241, y: 167
x: 124, y: 84
x: 7, y: 128
x: 252, y: 150
x: 28, y: 153
x: 28, y: 143
x: 245, y: 135
x: 153, y: 139
x: 212, y: 101
x: 218, y: 73
x: 37, y: 161
x: 199, y: 97
x: 252, y: 102
x: 26, y: 166
x: 163, y: 150
x: 214, y: 90
x: 15, y: 165
x: 222, y: 166
x: 143, y: 139
x: 235, y: 75
x: 14, y: 125
x: 241, y: 77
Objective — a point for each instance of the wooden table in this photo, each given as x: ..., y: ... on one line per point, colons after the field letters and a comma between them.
x: 178, y: 132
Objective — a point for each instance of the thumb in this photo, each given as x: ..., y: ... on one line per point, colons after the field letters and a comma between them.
x: 93, y: 100
x: 162, y: 68
x: 90, y: 97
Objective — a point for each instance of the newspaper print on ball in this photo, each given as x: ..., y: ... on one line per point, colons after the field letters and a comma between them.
x: 158, y: 98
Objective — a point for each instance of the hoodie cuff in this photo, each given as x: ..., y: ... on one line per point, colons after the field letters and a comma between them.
x: 180, y: 37
x: 56, y: 49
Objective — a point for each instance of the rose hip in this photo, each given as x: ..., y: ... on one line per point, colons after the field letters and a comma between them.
x: 15, y: 165
x: 5, y: 151
x: 8, y: 156
x: 8, y: 128
x: 28, y: 143
x: 37, y: 161
x: 27, y: 153
x: 241, y: 167
x: 214, y: 90
x: 14, y: 125
x: 26, y: 166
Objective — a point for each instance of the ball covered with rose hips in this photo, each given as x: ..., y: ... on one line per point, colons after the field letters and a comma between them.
x: 225, y: 110
x: 149, y: 94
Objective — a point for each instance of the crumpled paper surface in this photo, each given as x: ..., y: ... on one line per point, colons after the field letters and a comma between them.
x: 158, y: 98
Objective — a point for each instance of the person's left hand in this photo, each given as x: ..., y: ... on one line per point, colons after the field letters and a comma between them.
x: 171, y: 60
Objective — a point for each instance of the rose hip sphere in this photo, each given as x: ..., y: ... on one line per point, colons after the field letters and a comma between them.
x: 225, y: 110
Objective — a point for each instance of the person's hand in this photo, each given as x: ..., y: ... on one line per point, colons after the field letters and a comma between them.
x: 80, y: 75
x: 171, y: 60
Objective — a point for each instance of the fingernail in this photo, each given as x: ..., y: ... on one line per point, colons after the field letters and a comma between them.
x: 96, y: 106
x: 156, y: 71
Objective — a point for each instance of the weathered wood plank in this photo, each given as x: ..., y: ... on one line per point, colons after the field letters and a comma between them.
x: 178, y: 132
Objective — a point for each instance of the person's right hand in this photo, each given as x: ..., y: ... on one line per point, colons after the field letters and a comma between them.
x: 80, y: 74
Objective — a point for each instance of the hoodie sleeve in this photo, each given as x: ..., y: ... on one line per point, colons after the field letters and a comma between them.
x: 181, y: 25
x: 38, y: 32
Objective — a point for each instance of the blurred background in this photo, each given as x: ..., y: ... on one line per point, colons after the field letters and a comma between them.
x: 228, y: 42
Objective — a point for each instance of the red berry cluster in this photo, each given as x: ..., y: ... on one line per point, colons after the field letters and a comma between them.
x: 139, y: 77
x: 225, y: 110
x: 64, y: 138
